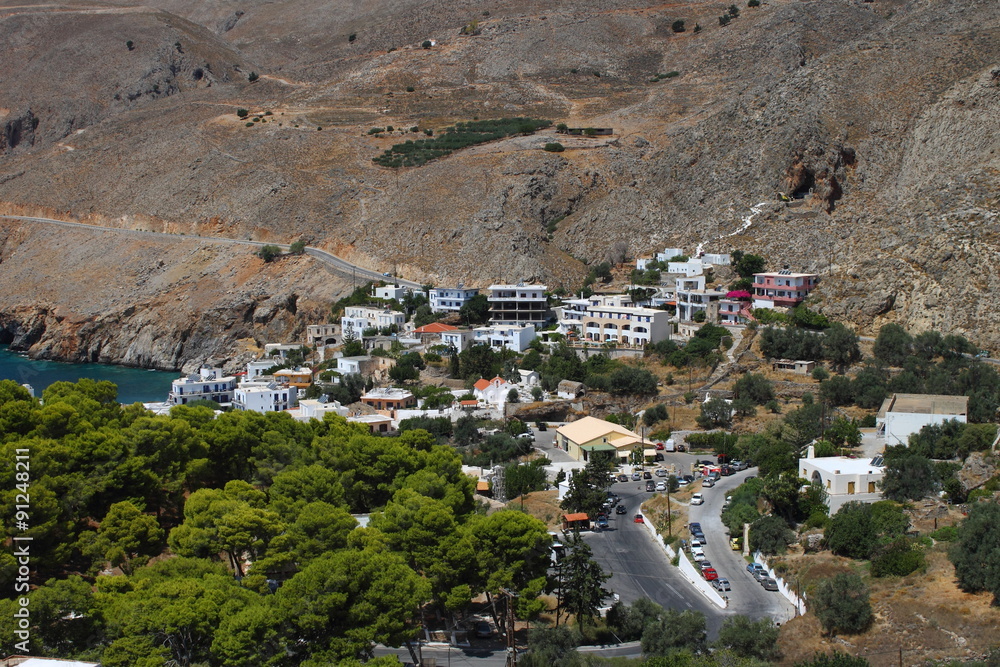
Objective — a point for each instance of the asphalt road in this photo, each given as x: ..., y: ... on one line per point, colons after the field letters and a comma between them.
x: 747, y: 596
x: 639, y: 567
x: 336, y: 264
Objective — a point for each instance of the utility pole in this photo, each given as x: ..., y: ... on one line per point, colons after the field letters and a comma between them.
x: 670, y: 519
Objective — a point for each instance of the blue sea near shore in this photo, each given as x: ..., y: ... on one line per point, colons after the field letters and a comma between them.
x: 134, y: 384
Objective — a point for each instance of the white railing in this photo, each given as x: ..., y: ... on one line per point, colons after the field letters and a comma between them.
x: 798, y: 602
x: 685, y: 567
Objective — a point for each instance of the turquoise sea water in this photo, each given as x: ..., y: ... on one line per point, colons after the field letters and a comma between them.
x: 134, y: 384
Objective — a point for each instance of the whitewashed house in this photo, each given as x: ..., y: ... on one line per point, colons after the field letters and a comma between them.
x: 492, y: 391
x: 264, y: 397
x: 207, y: 384
x: 510, y: 336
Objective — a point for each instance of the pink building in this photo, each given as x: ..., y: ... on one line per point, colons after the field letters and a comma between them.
x: 782, y: 289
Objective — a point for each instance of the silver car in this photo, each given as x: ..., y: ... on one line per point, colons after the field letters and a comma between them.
x: 721, y: 584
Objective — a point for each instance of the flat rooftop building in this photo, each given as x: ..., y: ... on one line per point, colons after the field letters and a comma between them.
x: 902, y: 415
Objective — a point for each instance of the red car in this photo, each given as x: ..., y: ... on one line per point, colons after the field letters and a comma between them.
x: 638, y: 519
x: 659, y: 446
x: 710, y: 574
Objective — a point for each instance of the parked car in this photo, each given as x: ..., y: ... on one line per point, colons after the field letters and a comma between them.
x: 708, y: 483
x: 760, y: 575
x: 739, y: 465
x: 689, y: 478
x: 721, y: 584
x: 769, y: 584
x: 659, y: 446
x: 621, y: 510
x: 705, y: 565
x: 638, y: 519
x: 697, y: 499
x: 693, y: 525
x: 647, y: 475
x: 682, y: 482
x: 636, y: 476
x: 734, y: 543
x: 651, y: 486
x: 698, y: 554
x: 710, y: 574
x: 623, y: 477
x: 661, y: 486
x: 754, y: 567
x: 697, y: 541
x: 602, y: 522
x: 727, y: 471
x: 660, y: 472
x: 700, y: 537
x: 483, y: 629
x: 706, y: 462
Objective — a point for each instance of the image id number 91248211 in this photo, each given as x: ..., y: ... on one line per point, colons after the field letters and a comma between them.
x: 22, y: 546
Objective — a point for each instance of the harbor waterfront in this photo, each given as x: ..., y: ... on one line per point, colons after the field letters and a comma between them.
x: 134, y: 384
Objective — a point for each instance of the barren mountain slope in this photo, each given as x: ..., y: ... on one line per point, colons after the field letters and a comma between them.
x: 880, y: 117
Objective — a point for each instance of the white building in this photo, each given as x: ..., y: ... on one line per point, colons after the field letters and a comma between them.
x: 390, y: 292
x: 528, y: 378
x: 374, y: 423
x: 840, y: 475
x: 279, y: 350
x: 669, y: 253
x: 692, y: 297
x: 311, y: 408
x: 733, y: 312
x: 692, y: 267
x: 716, y: 259
x: 450, y: 299
x: 358, y: 318
x: 642, y: 263
x: 625, y: 325
x: 208, y: 384
x: 902, y: 415
x: 264, y: 397
x: 516, y: 338
x: 458, y: 339
x: 518, y: 304
x: 492, y: 391
x: 256, y: 368
x: 349, y: 365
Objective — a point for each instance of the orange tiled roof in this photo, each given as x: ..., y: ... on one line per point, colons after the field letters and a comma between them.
x: 481, y: 384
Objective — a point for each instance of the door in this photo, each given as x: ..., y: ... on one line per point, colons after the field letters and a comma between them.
x: 850, y: 487
x: 871, y: 487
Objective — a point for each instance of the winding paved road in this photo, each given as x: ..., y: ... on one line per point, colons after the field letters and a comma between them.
x: 336, y: 264
x: 639, y: 567
x: 747, y: 596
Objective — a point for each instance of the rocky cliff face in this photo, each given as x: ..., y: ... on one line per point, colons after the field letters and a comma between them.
x: 149, y: 302
x: 877, y: 118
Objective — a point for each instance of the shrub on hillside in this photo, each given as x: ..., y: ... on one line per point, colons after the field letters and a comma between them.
x: 897, y: 559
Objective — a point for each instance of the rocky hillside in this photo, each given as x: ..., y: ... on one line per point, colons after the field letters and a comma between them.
x: 878, y: 118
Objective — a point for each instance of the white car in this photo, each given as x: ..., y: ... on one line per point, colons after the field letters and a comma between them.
x: 697, y: 499
x: 698, y: 554
x: 661, y: 486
